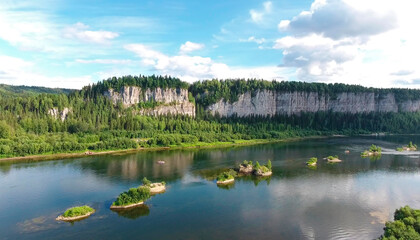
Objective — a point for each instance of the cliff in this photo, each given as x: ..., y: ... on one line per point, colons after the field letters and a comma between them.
x: 268, y: 102
x: 168, y: 100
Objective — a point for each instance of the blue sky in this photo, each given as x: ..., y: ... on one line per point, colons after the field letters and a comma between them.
x: 58, y: 43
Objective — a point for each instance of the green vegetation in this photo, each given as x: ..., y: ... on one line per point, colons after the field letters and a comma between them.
x: 263, y: 168
x: 246, y: 163
x: 77, y: 211
x: 146, y: 182
x: 409, y: 147
x: 406, y: 225
x: 373, y: 151
x: 225, y: 176
x: 312, y: 161
x: 133, y: 196
x: 14, y: 91
x: 332, y: 157
x: 94, y: 123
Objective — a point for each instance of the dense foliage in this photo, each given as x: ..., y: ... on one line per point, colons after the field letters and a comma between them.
x: 312, y: 161
x: 406, y: 225
x: 211, y: 91
x: 134, y: 195
x: 224, y: 176
x: 78, y: 211
x: 94, y: 123
x: 263, y: 168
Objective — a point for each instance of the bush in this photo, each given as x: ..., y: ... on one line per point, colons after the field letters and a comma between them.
x: 77, y: 211
x: 375, y: 148
x: 312, y: 160
x: 224, y: 176
x: 406, y: 225
x: 134, y: 195
x: 146, y: 182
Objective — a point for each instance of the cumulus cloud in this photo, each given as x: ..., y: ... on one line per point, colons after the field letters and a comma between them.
x: 80, y: 31
x: 357, y: 42
x: 188, y: 47
x: 257, y: 16
x: 336, y: 19
x: 15, y: 71
x: 193, y: 68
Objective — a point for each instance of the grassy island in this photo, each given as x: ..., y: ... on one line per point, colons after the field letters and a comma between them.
x: 76, y: 213
x: 312, y: 161
x: 134, y: 197
x: 373, y: 151
x: 406, y: 225
x: 333, y: 159
x: 409, y: 147
x: 154, y: 187
x: 263, y: 170
x: 225, y: 178
x: 246, y: 167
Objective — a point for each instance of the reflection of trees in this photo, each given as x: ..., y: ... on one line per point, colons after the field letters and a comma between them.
x: 144, y: 164
x: 134, y: 213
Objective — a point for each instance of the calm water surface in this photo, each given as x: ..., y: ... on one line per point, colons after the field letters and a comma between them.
x: 348, y: 200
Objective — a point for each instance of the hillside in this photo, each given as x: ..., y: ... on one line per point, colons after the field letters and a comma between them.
x: 160, y: 111
x: 10, y: 90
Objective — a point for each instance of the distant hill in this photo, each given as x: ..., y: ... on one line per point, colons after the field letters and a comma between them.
x: 10, y: 90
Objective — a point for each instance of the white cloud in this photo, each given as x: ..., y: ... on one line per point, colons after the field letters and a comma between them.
x: 80, y: 31
x: 104, y: 61
x: 257, y: 16
x: 372, y: 43
x: 15, y: 71
x: 253, y: 39
x: 188, y: 47
x: 193, y: 68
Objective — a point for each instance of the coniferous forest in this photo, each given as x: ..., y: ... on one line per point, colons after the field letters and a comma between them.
x: 96, y: 124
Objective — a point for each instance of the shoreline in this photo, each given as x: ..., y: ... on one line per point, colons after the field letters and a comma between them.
x: 71, y: 219
x: 59, y: 156
x: 126, y: 206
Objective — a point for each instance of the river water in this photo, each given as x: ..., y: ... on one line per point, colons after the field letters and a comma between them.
x: 347, y: 200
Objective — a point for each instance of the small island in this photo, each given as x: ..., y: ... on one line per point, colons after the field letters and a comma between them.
x: 264, y: 170
x: 246, y: 167
x: 312, y: 161
x: 225, y: 178
x: 155, y: 188
x: 134, y: 197
x: 409, y: 147
x: 333, y: 159
x: 373, y: 151
x: 76, y: 213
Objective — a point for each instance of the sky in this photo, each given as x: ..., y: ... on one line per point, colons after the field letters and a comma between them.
x: 74, y: 43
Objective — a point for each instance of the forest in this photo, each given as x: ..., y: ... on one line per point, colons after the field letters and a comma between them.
x: 94, y: 123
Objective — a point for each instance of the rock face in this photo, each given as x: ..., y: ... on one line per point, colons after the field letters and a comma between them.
x: 171, y: 101
x: 269, y: 103
x: 59, y: 114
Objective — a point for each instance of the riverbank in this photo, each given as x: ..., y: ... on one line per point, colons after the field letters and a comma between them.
x: 199, y: 145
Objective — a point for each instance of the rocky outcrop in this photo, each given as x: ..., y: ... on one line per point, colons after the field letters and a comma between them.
x: 173, y: 101
x: 57, y: 114
x: 269, y: 103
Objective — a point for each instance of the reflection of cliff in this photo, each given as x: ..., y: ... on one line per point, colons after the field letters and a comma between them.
x: 141, y: 165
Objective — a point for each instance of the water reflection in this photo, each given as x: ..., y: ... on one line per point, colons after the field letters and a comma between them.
x: 133, y: 213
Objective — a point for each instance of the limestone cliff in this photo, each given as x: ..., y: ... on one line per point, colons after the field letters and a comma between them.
x: 267, y: 102
x: 171, y: 100
x: 57, y: 114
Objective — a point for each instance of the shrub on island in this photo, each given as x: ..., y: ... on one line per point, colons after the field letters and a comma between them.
x: 76, y: 213
x: 263, y: 170
x: 246, y: 167
x: 409, y: 147
x: 333, y: 159
x: 406, y: 225
x: 312, y: 161
x: 373, y: 151
x: 133, y: 197
x: 225, y: 178
x: 154, y: 187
